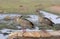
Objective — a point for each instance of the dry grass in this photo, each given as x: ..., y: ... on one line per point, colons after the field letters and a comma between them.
x: 26, y: 6
x: 53, y: 9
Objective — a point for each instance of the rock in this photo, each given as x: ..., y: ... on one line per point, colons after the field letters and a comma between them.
x: 27, y: 34
x: 15, y: 35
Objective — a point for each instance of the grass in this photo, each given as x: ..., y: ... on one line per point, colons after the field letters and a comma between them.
x: 55, y: 27
x: 11, y: 26
x: 26, y: 6
x: 52, y: 11
x: 2, y: 26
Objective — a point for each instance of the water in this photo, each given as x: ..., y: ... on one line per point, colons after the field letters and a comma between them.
x: 52, y: 17
x: 3, y: 37
x: 34, y: 19
x: 11, y: 15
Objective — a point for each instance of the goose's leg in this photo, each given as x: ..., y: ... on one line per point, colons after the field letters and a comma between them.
x: 23, y: 30
x: 44, y: 30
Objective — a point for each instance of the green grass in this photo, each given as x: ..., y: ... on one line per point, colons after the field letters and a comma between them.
x: 29, y: 6
x: 2, y: 26
x: 55, y: 27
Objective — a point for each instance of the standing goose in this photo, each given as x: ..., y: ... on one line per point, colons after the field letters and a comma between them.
x: 43, y: 20
x: 24, y: 23
x: 46, y: 21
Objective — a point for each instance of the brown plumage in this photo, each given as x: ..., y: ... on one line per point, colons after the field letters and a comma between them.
x: 24, y: 22
x: 45, y: 21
